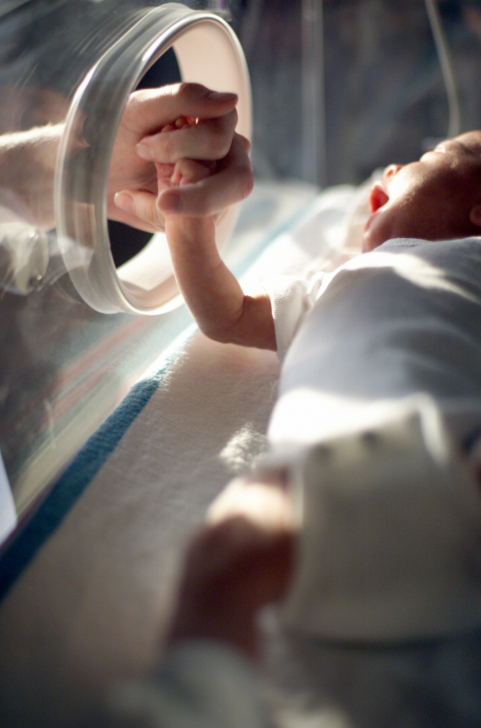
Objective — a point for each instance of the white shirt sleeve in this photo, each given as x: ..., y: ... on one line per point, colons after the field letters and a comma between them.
x: 198, y: 684
x: 291, y: 299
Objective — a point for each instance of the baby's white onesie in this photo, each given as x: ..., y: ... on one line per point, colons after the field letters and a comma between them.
x: 380, y: 359
x: 403, y: 319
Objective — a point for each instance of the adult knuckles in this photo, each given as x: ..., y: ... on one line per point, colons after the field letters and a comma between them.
x: 245, y: 179
x: 240, y: 170
x: 190, y: 92
x: 219, y: 133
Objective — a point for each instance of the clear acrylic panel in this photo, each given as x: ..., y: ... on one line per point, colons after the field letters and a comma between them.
x: 66, y: 70
x: 339, y: 87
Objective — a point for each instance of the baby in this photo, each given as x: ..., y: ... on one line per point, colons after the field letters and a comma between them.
x: 367, y: 311
x: 381, y: 357
x: 436, y: 198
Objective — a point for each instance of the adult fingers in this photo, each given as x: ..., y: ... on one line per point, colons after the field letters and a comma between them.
x: 232, y: 183
x: 207, y: 139
x: 139, y: 208
x: 148, y: 110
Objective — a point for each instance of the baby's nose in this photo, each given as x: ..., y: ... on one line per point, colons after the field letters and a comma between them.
x: 392, y: 170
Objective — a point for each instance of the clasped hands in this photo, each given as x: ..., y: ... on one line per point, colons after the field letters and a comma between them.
x: 177, y: 153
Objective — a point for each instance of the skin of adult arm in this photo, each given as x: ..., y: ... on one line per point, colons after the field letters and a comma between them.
x: 28, y: 158
x: 27, y: 170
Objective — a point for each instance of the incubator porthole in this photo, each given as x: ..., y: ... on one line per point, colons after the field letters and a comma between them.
x: 125, y: 241
x: 207, y: 52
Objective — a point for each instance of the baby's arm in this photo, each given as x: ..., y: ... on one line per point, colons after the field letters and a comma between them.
x: 212, y: 293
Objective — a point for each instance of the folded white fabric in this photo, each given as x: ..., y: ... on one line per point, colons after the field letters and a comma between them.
x: 390, y: 537
x: 198, y: 684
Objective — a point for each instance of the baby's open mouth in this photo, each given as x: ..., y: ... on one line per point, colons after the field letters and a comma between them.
x: 377, y: 197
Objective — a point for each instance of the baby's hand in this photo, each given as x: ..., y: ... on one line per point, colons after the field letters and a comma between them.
x: 185, y: 171
x: 163, y: 126
x: 231, y: 571
x: 192, y: 187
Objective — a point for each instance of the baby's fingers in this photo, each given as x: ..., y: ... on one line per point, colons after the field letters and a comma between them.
x: 142, y: 205
x: 230, y: 183
x: 188, y: 171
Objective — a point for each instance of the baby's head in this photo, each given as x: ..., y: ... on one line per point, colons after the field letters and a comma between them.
x: 436, y: 198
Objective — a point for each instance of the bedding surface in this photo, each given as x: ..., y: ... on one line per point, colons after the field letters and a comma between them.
x: 93, y: 598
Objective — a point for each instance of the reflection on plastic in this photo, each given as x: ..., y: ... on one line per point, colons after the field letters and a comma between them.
x: 66, y: 70
x: 148, y: 286
x: 8, y: 514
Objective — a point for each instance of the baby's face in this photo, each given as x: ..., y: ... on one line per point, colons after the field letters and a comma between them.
x: 430, y: 199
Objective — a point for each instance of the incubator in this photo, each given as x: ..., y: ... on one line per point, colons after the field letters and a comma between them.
x: 66, y: 72
x: 329, y: 90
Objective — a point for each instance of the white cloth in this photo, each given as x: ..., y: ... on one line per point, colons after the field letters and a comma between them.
x: 391, y: 526
x: 400, y: 320
x: 390, y: 534
x: 198, y: 684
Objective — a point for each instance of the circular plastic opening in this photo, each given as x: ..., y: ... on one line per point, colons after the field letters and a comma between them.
x: 207, y: 52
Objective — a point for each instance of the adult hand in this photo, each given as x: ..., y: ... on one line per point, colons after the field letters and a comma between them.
x: 191, y: 189
x: 149, y: 145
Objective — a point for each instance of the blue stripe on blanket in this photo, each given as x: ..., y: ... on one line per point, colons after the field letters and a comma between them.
x: 17, y: 555
x: 71, y: 484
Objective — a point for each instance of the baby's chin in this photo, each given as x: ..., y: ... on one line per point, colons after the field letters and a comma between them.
x: 382, y: 225
x: 367, y: 246
x: 372, y: 237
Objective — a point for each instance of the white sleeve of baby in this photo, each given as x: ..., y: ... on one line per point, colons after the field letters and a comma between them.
x: 291, y: 299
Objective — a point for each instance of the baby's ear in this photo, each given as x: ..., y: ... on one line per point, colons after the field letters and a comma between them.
x: 475, y: 215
